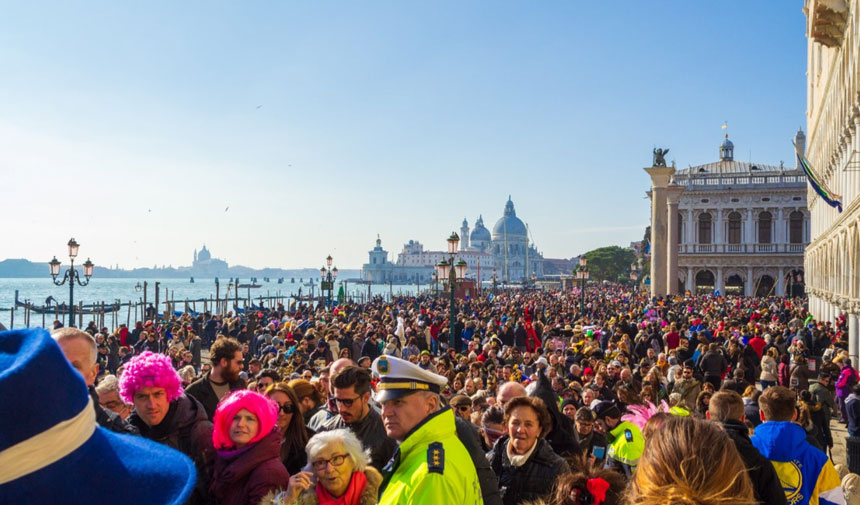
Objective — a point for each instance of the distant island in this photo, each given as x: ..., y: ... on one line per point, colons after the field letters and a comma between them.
x: 203, y: 267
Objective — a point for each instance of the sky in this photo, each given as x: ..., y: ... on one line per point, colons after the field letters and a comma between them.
x: 278, y: 132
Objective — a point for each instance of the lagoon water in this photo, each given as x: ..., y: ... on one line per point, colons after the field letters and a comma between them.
x: 112, y: 290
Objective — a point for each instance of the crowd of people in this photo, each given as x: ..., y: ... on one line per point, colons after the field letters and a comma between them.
x: 523, y: 399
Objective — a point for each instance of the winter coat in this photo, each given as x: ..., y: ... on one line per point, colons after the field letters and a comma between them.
x: 689, y: 390
x: 370, y: 495
x: 488, y: 481
x: 766, y: 485
x: 784, y: 374
x: 713, y: 364
x: 370, y: 349
x: 751, y: 412
x: 186, y: 429
x: 768, y: 369
x: 202, y: 391
x: 799, y: 377
x: 534, y: 479
x: 844, y: 383
x: 805, y: 472
x: 244, y: 476
x: 852, y: 407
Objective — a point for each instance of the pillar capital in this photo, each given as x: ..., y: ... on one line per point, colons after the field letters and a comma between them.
x: 660, y: 176
x: 673, y: 194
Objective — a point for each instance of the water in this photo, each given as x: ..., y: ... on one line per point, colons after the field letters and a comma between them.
x: 123, y: 290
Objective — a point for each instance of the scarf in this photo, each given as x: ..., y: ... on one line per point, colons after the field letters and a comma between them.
x: 520, y: 459
x: 352, y: 496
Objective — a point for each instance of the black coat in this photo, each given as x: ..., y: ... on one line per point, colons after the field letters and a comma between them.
x: 371, y: 433
x: 766, y: 484
x: 486, y: 478
x: 532, y: 480
x: 202, y: 391
x: 109, y: 419
x: 186, y: 429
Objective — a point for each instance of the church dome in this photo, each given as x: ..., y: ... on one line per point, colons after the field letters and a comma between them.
x: 480, y: 233
x: 509, y: 224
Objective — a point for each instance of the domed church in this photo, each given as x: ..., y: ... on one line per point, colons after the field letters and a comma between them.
x: 509, y: 246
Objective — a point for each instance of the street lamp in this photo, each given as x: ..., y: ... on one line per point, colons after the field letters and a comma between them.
x: 454, y: 272
x: 495, y: 280
x: 581, y: 274
x: 435, y: 282
x: 72, y: 276
x: 328, y: 275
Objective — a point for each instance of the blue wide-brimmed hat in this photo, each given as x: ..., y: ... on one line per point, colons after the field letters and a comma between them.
x: 52, y: 450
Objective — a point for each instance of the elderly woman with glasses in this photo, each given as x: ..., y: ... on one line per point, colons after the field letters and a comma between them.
x: 294, y: 433
x: 339, y: 474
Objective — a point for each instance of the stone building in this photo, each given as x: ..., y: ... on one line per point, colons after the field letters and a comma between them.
x: 730, y: 227
x: 833, y: 124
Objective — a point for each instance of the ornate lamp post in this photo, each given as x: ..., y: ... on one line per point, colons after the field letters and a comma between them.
x: 328, y: 275
x: 453, y: 272
x: 435, y: 277
x: 581, y: 274
x: 72, y: 276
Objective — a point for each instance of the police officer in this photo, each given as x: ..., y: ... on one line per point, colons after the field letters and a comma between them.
x: 430, y: 465
x: 626, y: 443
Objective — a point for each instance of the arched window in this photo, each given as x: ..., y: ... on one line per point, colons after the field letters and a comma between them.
x: 704, y: 228
x: 734, y: 228
x: 795, y: 227
x: 764, y: 224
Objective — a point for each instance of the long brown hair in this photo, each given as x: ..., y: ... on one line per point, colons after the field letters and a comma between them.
x: 296, y: 435
x: 690, y: 461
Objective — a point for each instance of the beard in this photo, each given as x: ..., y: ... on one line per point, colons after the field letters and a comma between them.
x: 230, y: 374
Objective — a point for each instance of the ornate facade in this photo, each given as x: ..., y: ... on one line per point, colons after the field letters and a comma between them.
x: 832, y: 258
x: 730, y: 227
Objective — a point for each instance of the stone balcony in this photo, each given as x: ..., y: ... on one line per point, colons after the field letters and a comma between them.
x: 741, y: 248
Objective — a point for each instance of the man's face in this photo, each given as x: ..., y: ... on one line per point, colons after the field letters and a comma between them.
x: 230, y: 368
x: 584, y: 427
x: 80, y: 355
x: 688, y: 373
x: 569, y: 411
x: 425, y: 358
x: 151, y: 405
x: 254, y: 368
x: 402, y: 414
x: 626, y: 375
x: 263, y: 384
x: 114, y: 403
x: 352, y: 407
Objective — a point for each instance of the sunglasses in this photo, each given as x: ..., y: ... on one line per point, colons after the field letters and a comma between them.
x: 346, y: 402
x: 464, y: 408
x: 288, y: 408
x: 492, y: 434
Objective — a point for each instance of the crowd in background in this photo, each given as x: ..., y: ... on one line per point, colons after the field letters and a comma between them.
x: 695, y: 399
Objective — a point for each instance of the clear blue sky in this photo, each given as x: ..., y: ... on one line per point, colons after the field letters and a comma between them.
x: 132, y: 126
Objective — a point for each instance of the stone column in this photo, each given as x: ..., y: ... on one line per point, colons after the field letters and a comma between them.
x: 673, y: 198
x: 718, y: 282
x: 659, y: 232
x: 690, y: 281
x: 691, y: 234
x: 718, y: 230
x: 780, y: 230
x: 780, y: 282
x: 853, y: 337
x: 748, y: 285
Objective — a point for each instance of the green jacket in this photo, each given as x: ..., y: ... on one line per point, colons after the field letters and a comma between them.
x: 627, y: 444
x: 432, y: 466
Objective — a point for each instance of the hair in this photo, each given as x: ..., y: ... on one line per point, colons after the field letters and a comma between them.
x: 304, y: 389
x: 270, y: 373
x: 494, y: 415
x: 570, y: 488
x: 296, y: 434
x: 352, y: 376
x: 340, y: 436
x: 149, y: 369
x: 690, y: 461
x: 777, y: 403
x: 108, y: 384
x: 655, y: 423
x: 187, y: 374
x: 726, y: 405
x: 223, y: 348
x: 535, y: 404
x: 66, y: 334
x: 265, y: 409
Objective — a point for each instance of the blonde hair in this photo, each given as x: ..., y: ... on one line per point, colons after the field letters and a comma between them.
x: 690, y: 462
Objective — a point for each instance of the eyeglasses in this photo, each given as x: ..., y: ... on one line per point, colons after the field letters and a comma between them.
x: 346, y: 402
x: 334, y: 460
x: 287, y: 408
x: 464, y: 408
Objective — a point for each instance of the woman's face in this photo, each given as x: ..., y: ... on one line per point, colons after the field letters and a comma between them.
x: 283, y: 402
x: 243, y: 428
x: 492, y: 432
x: 523, y: 429
x: 458, y: 384
x: 588, y: 397
x: 333, y: 468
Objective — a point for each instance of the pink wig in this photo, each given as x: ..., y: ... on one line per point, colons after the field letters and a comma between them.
x: 265, y: 409
x: 149, y: 370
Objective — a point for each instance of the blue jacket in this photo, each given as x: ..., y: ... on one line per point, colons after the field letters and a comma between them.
x: 806, y: 473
